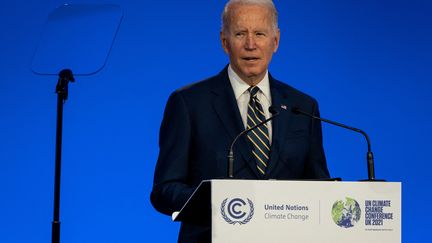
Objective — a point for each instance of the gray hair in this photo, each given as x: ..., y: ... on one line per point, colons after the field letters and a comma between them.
x: 265, y: 3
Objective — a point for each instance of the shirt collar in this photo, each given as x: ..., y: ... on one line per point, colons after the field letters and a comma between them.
x: 239, y: 86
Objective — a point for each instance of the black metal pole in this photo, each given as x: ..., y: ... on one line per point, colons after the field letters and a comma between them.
x: 369, y: 155
x: 65, y: 76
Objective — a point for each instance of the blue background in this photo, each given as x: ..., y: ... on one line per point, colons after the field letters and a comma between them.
x: 367, y: 62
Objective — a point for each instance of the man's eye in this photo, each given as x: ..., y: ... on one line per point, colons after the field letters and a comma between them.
x: 240, y: 34
x: 260, y: 34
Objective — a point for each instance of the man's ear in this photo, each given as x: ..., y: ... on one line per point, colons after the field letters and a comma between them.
x: 276, y: 40
x: 224, y: 42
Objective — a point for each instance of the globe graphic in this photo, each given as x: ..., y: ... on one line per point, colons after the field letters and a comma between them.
x: 346, y: 213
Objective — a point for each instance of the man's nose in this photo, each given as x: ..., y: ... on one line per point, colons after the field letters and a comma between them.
x: 250, y: 42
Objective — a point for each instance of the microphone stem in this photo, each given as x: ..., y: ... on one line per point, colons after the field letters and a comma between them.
x: 342, y: 125
x: 231, y: 151
x: 369, y: 154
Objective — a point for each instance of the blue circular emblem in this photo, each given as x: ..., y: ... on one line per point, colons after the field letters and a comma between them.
x: 237, y: 211
x: 346, y: 213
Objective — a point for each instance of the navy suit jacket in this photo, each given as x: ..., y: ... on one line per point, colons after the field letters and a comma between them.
x: 199, y: 124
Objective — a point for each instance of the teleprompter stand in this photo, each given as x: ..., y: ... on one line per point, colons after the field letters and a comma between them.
x: 65, y: 76
x: 73, y: 31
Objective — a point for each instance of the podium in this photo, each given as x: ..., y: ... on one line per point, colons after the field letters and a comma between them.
x: 296, y: 211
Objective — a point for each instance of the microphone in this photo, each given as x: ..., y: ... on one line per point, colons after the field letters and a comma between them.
x: 369, y: 154
x: 274, y: 113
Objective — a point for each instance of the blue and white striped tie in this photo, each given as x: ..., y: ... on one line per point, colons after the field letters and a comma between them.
x: 259, y: 136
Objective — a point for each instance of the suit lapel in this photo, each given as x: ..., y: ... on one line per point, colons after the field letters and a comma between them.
x: 225, y: 106
x: 279, y: 125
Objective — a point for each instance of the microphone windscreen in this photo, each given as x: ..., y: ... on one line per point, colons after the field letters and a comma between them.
x: 273, y: 110
x: 295, y: 110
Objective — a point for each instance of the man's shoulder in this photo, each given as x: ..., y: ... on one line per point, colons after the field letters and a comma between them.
x: 289, y: 91
x: 203, y: 87
x: 199, y: 86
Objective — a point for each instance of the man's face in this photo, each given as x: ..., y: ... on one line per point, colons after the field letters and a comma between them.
x: 250, y: 41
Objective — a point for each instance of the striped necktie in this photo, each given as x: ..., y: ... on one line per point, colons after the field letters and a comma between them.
x: 259, y: 136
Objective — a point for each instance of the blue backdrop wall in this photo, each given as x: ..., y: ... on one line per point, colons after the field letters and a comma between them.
x: 367, y: 62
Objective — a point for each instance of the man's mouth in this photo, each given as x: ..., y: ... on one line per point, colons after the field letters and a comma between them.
x: 250, y: 59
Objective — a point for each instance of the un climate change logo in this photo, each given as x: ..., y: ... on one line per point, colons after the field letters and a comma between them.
x: 237, y: 211
x: 346, y: 213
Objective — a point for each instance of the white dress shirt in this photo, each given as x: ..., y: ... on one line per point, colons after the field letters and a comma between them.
x: 242, y: 96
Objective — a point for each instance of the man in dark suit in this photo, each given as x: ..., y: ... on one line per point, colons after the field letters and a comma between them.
x: 202, y: 119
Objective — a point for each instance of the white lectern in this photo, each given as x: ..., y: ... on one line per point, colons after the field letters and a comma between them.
x: 297, y: 211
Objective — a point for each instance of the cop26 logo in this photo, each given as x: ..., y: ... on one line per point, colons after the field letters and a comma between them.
x: 237, y: 211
